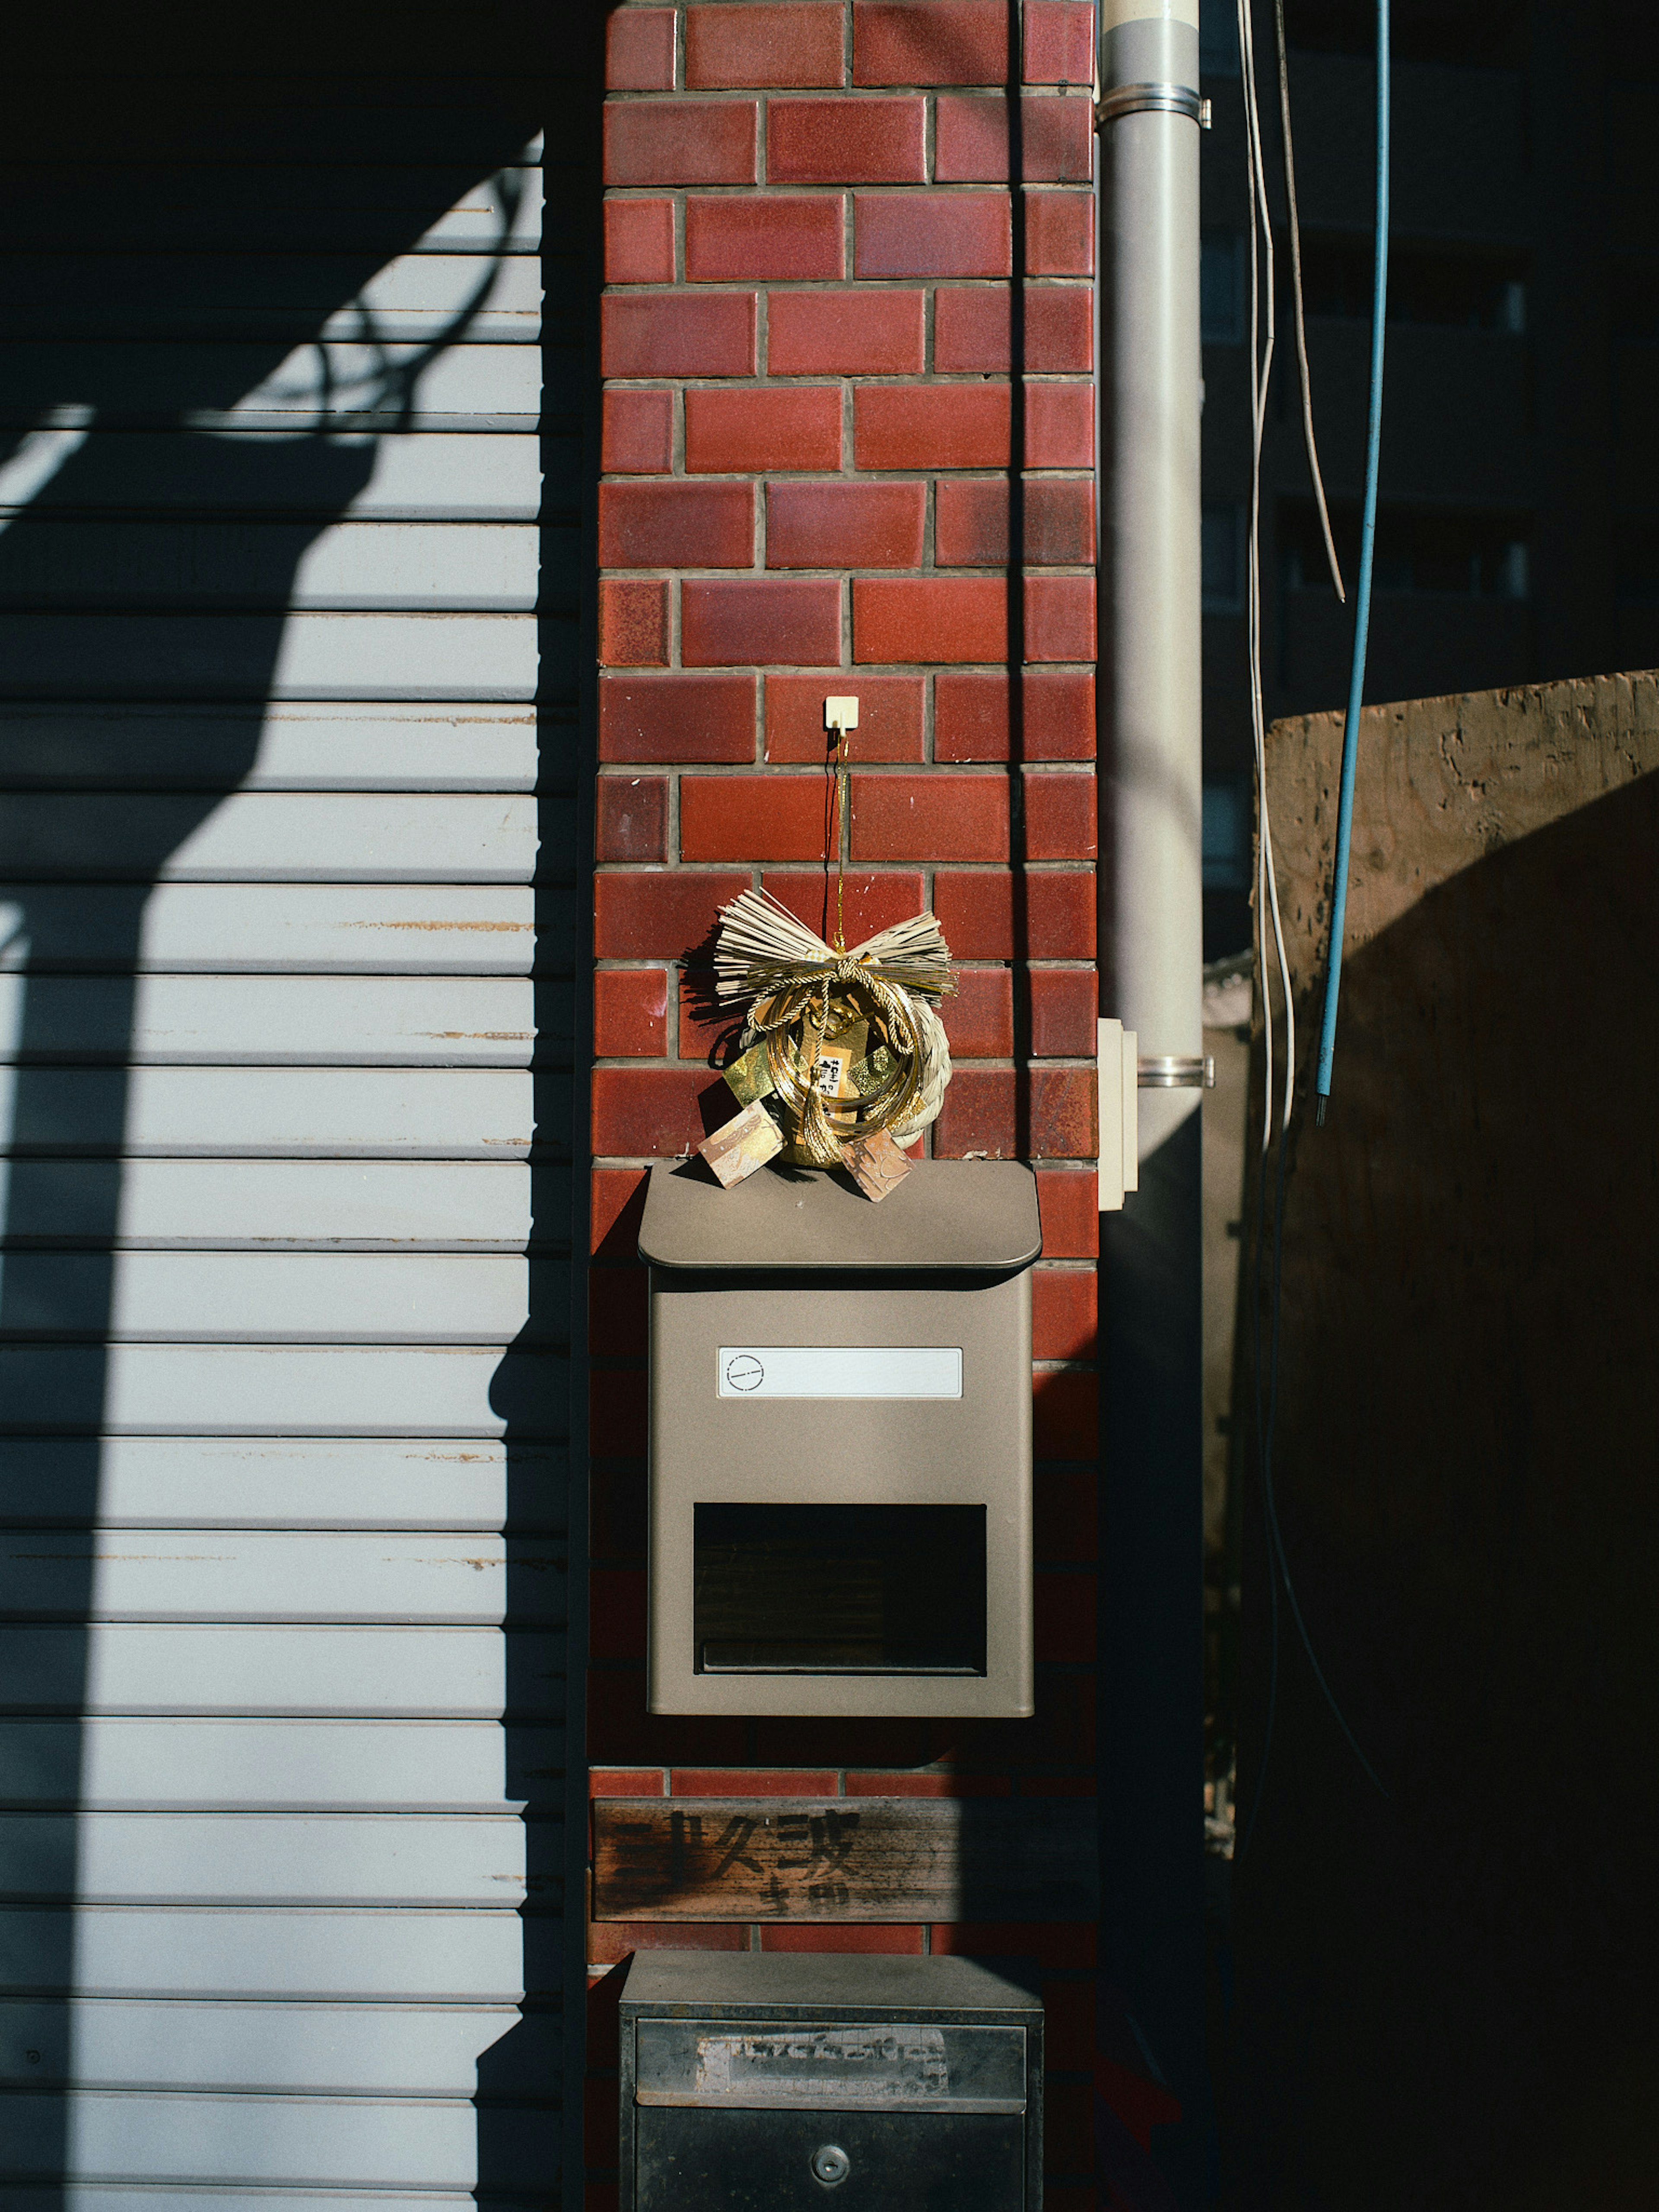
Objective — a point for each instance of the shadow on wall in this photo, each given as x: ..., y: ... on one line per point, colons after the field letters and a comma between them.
x: 180, y: 222
x: 1445, y: 1999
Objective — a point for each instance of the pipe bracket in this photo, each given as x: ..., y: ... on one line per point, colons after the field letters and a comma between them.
x: 1152, y: 100
x: 1176, y: 1071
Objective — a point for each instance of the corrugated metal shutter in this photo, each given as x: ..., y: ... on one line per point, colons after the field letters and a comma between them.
x: 284, y: 1302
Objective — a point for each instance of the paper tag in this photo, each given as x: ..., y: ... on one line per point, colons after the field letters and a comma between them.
x: 742, y: 1145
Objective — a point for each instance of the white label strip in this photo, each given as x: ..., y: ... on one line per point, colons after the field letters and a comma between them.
x: 839, y: 1370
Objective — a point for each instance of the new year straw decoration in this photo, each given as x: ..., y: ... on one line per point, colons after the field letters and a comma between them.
x: 786, y: 975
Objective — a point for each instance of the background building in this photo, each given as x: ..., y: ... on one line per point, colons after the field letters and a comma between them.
x: 1516, y: 537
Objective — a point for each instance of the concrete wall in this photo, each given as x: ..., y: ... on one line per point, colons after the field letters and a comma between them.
x: 1443, y: 1993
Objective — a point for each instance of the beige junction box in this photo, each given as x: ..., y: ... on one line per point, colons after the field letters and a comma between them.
x: 840, y: 1442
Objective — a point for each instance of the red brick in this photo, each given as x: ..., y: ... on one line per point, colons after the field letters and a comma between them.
x: 1059, y: 234
x: 1065, y: 1510
x: 775, y: 620
x: 1069, y: 1204
x: 662, y: 917
x: 615, y: 1404
x: 617, y: 1505
x: 631, y: 818
x: 930, y: 42
x: 752, y: 818
x: 978, y: 1017
x: 620, y: 1731
x: 633, y: 623
x: 978, y: 1116
x: 982, y: 1114
x: 841, y: 1742
x: 681, y: 142
x: 616, y: 1204
x: 1060, y: 39
x: 676, y: 525
x: 1063, y: 1125
x: 970, y: 713
x: 707, y: 1029
x: 639, y: 241
x: 1059, y: 816
x: 1060, y: 426
x: 1065, y: 1617
x: 647, y: 1113
x: 1059, y: 1944
x: 889, y: 717
x: 970, y: 524
x: 931, y: 426
x: 786, y: 426
x: 616, y: 1612
x: 973, y: 330
x: 930, y: 618
x: 1063, y: 1312
x: 840, y: 1935
x: 617, y: 1300
x: 631, y: 1013
x: 1060, y: 618
x: 1068, y: 2017
x: 750, y: 1782
x: 732, y: 48
x: 625, y: 1782
x: 676, y: 718
x: 678, y: 334
x: 1059, y: 914
x: 869, y: 903
x: 1068, y: 2129
x: 846, y: 141
x: 639, y: 50
x: 856, y: 525
x: 970, y: 145
x: 929, y: 817
x: 1065, y: 1006
x: 846, y: 333
x: 776, y: 236
x: 932, y: 234
x: 611, y: 1940
x: 638, y: 436
x: 931, y: 1784
x: 1052, y: 919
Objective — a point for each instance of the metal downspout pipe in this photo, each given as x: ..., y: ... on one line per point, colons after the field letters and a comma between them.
x: 1151, y: 938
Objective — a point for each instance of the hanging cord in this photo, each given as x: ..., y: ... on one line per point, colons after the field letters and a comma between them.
x: 1268, y: 906
x: 1363, y: 596
x: 1308, y: 438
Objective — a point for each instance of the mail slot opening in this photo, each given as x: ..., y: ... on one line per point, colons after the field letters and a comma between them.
x: 839, y: 1589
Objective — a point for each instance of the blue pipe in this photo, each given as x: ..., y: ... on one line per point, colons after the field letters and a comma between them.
x: 1363, y: 596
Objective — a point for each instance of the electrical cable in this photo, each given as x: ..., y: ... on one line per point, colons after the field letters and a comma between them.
x: 1309, y: 440
x: 1267, y: 905
x: 1362, y: 593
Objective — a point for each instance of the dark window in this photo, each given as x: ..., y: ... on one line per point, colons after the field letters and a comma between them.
x: 1222, y: 297
x: 1222, y: 548
x: 1217, y: 38
x: 1426, y: 283
x: 1636, y: 542
x: 1483, y: 34
x: 840, y: 1590
x: 1418, y: 550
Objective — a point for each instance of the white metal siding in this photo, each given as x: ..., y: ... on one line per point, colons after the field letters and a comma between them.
x: 283, y: 1316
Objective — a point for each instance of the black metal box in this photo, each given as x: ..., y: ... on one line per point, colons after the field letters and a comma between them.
x: 759, y: 2082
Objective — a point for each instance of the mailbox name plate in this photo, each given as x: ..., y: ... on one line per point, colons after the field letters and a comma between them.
x: 838, y: 1370
x: 846, y: 2067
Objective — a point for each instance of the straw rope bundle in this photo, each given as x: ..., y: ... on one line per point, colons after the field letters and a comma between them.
x: 801, y: 992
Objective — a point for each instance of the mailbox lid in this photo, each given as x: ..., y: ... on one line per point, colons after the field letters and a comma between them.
x: 946, y: 1214
x: 820, y: 1985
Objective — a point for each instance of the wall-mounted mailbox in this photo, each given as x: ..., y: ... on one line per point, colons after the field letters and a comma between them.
x: 841, y: 1443
x: 761, y: 2083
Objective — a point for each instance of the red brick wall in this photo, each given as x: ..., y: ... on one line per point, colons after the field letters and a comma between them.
x: 810, y: 486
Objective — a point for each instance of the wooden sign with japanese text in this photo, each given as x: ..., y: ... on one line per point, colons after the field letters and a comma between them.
x: 844, y: 1858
